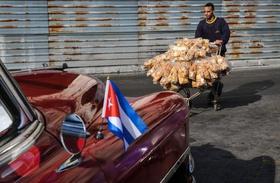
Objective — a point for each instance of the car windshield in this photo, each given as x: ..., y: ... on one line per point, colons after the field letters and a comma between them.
x: 5, y: 119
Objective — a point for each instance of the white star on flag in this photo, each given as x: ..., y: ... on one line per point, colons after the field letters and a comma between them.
x: 123, y: 121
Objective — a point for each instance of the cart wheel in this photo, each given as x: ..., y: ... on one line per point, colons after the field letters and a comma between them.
x: 215, y: 107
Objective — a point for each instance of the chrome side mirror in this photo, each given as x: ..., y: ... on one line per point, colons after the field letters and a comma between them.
x: 73, y: 134
x: 73, y: 138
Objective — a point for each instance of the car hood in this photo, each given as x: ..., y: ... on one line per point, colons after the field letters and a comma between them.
x: 56, y: 94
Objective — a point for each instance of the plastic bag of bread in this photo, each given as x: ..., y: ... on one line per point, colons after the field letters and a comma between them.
x: 173, y: 76
x: 200, y: 53
x: 219, y: 59
x: 200, y: 80
x: 224, y: 66
x: 187, y: 61
x: 213, y: 75
x: 174, y: 87
x: 149, y: 64
x: 165, y: 80
x: 161, y: 57
x: 213, y: 65
x: 195, y: 84
x: 192, y: 71
x: 191, y: 53
x: 200, y: 73
x: 207, y: 74
x: 157, y: 74
x: 205, y: 44
x: 206, y: 69
x: 151, y: 71
x: 224, y: 63
x: 183, y: 74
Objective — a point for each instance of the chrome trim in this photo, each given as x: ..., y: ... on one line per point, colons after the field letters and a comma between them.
x: 72, y: 162
x: 191, y: 164
x: 61, y: 133
x: 176, y: 166
x: 43, y: 67
x: 21, y: 143
x: 16, y: 92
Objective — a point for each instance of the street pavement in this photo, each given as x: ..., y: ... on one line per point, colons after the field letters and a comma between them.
x: 241, y: 142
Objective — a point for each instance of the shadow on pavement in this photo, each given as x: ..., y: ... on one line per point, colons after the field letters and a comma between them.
x: 217, y: 165
x: 243, y: 95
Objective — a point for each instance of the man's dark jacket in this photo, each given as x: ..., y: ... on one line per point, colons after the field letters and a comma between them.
x: 217, y: 30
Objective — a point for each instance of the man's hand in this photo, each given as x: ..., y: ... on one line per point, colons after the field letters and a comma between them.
x: 218, y: 42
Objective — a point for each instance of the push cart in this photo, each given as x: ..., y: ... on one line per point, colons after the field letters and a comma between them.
x: 214, y: 90
x: 186, y: 92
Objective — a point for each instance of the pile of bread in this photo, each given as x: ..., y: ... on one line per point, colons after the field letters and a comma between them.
x: 189, y: 62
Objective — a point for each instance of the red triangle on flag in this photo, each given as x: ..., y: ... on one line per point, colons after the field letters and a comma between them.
x: 112, y: 106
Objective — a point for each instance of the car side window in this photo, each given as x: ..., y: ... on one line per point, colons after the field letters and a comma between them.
x: 5, y: 119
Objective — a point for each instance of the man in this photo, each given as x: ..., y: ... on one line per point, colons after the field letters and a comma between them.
x: 216, y: 30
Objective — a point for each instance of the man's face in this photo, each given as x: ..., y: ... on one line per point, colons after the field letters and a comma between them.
x: 208, y: 12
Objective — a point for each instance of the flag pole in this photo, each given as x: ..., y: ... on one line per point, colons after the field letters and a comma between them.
x: 99, y: 135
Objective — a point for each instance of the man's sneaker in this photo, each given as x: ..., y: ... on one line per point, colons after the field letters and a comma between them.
x: 217, y: 106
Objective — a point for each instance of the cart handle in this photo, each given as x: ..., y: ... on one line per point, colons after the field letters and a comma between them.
x: 218, y: 52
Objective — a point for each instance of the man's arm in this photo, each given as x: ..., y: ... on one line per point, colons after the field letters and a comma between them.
x: 225, y: 32
x: 199, y: 31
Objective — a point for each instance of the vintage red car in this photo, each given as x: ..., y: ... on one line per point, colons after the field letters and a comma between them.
x: 51, y: 131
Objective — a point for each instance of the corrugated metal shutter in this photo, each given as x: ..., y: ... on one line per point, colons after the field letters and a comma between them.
x: 162, y: 22
x: 23, y: 33
x: 105, y: 33
x: 255, y: 27
x: 93, y: 33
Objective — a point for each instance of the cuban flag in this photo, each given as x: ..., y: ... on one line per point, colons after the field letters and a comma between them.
x: 123, y: 121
